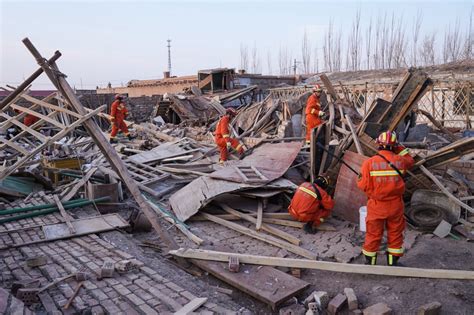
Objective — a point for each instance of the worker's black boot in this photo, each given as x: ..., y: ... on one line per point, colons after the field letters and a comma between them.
x: 308, y: 228
x: 370, y: 260
x: 113, y: 140
x: 393, y: 261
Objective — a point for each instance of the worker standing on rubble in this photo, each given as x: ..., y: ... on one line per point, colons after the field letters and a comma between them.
x: 118, y: 113
x: 311, y: 204
x: 222, y: 137
x: 313, y: 112
x: 381, y: 180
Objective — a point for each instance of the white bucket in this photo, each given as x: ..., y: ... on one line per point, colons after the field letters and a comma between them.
x: 362, y: 216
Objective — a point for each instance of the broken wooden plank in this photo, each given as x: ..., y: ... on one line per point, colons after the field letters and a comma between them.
x: 64, y: 214
x: 266, y: 284
x: 354, y: 135
x: 258, y: 224
x: 263, y: 237
x: 282, y: 234
x: 325, y: 265
x: 445, y: 191
x: 79, y: 184
x: 58, y: 79
x: 193, y: 305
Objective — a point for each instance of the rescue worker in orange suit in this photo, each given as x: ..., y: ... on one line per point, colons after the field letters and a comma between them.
x: 313, y: 112
x: 384, y: 186
x: 29, y: 120
x: 311, y: 204
x: 223, y: 139
x: 118, y: 113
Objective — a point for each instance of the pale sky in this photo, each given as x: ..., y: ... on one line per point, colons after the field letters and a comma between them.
x: 117, y: 41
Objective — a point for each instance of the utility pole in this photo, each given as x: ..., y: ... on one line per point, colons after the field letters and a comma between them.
x: 294, y: 68
x: 169, y: 56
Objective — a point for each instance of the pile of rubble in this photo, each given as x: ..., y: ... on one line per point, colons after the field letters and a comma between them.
x: 61, y: 179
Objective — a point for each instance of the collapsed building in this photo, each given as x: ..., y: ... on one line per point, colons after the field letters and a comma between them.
x: 156, y: 225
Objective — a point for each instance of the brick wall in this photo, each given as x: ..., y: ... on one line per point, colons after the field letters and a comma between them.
x: 466, y: 168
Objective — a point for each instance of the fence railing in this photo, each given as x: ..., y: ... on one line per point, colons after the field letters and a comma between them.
x: 450, y: 102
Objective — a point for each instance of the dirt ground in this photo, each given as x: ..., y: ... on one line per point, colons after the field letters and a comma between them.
x: 403, y: 295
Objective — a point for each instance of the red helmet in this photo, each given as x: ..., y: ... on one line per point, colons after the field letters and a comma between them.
x: 387, y: 138
x: 118, y: 96
x: 230, y: 111
x: 317, y: 88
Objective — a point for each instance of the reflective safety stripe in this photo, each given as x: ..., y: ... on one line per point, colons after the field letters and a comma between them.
x: 313, y: 110
x: 370, y: 254
x: 390, y: 260
x: 404, y: 152
x: 309, y: 192
x: 395, y: 250
x: 385, y: 173
x: 238, y: 147
x: 321, y: 219
x: 226, y: 135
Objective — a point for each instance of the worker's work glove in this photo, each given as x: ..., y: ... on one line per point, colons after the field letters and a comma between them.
x: 229, y: 145
x: 321, y: 113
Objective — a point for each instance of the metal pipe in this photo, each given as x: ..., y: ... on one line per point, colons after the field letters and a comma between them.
x: 55, y: 208
x: 39, y: 207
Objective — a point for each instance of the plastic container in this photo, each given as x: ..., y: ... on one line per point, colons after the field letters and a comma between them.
x: 362, y: 216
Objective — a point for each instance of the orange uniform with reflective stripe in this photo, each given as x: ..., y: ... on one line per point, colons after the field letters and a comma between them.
x: 384, y: 188
x: 306, y: 207
x: 118, y: 112
x: 222, y: 137
x: 312, y: 114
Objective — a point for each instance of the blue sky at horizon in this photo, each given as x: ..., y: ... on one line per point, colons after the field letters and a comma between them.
x: 117, y: 41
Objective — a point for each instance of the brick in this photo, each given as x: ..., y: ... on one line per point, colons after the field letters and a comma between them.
x: 351, y: 299
x: 122, y: 289
x: 355, y: 312
x: 147, y: 310
x: 98, y: 294
x: 148, y: 270
x: 378, y: 309
x: 322, y: 299
x: 97, y: 310
x: 234, y: 265
x: 337, y: 303
x: 174, y: 287
x: 433, y: 308
x: 135, y: 299
x: 107, y: 270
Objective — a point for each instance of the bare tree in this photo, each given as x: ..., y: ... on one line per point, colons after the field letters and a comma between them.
x: 255, y: 59
x: 327, y: 47
x: 469, y: 40
x: 416, y: 32
x: 244, y: 57
x: 316, y: 60
x: 306, y: 53
x: 284, y: 61
x: 452, y: 43
x: 368, y: 41
x: 427, y: 50
x: 353, y: 44
x: 269, y: 62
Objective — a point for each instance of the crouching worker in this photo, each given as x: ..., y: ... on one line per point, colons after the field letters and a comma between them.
x: 311, y: 204
x: 223, y: 140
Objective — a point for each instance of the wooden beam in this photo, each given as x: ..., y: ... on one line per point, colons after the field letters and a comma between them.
x: 325, y: 265
x: 354, y: 135
x: 79, y: 184
x: 64, y: 214
x: 258, y: 224
x: 263, y: 237
x: 191, y: 306
x: 282, y: 234
x: 327, y: 83
x: 445, y: 191
x: 94, y: 131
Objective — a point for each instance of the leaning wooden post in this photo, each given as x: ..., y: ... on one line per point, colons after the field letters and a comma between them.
x: 109, y: 152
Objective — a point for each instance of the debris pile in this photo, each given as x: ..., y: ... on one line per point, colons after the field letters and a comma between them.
x: 60, y: 178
